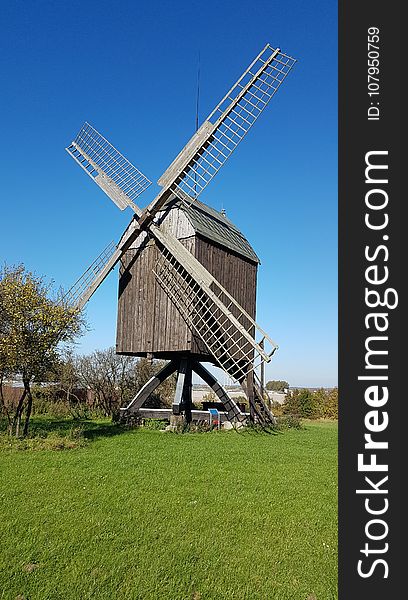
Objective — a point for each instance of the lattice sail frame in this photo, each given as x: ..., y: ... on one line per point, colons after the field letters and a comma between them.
x: 117, y: 177
x: 78, y: 294
x: 227, y: 125
x: 226, y: 329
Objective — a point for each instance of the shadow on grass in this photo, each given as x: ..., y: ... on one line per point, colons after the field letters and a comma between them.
x: 44, y: 426
x: 256, y: 430
x: 105, y: 430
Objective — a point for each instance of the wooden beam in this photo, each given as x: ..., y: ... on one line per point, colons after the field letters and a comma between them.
x: 178, y: 397
x: 187, y: 402
x: 149, y: 387
x: 251, y: 395
x: 165, y: 414
x: 233, y: 412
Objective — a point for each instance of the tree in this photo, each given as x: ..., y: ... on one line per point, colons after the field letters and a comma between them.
x: 300, y: 403
x: 312, y: 405
x: 331, y: 407
x: 109, y: 376
x: 277, y: 385
x: 115, y: 379
x: 33, y: 326
x: 320, y: 401
x: 67, y: 385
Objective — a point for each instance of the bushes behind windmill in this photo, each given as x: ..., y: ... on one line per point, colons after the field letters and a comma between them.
x: 309, y: 404
x: 98, y: 384
x: 93, y: 385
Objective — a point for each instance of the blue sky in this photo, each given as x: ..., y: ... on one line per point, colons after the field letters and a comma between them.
x: 130, y: 69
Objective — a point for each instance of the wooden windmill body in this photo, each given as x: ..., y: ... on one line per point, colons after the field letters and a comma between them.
x: 149, y: 323
x: 187, y: 289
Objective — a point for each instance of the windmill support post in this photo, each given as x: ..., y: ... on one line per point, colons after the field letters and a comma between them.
x: 251, y: 395
x: 187, y: 399
x: 148, y: 389
x: 183, y: 405
x: 183, y: 402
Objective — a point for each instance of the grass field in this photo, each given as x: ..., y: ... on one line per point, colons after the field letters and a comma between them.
x: 149, y: 515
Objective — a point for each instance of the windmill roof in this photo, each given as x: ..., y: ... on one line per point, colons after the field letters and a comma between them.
x: 216, y: 227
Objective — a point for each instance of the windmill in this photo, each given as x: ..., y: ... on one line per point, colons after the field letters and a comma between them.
x: 186, y: 295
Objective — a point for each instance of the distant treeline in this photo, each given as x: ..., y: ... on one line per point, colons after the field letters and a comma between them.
x: 307, y: 404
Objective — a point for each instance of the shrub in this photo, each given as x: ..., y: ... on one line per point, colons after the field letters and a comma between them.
x: 331, y: 406
x: 277, y: 409
x: 300, y: 403
x: 288, y: 422
x: 154, y: 424
x: 312, y: 405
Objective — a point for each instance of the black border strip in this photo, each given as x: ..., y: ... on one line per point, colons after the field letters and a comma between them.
x: 357, y: 136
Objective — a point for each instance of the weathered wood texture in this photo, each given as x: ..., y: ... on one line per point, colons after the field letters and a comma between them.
x: 148, y: 322
x: 235, y: 274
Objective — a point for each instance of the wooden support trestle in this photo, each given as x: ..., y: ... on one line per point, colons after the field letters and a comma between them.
x: 183, y: 403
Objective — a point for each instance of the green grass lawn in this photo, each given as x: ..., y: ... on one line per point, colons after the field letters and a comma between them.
x: 151, y: 515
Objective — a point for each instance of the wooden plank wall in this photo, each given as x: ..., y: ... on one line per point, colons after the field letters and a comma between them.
x: 148, y: 322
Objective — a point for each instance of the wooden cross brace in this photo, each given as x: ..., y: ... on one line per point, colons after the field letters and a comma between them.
x: 184, y: 366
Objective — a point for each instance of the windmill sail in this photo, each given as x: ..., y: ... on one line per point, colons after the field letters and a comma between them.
x: 78, y: 295
x: 114, y: 174
x: 227, y: 125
